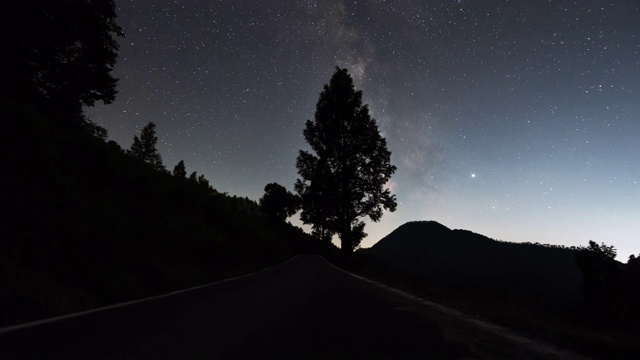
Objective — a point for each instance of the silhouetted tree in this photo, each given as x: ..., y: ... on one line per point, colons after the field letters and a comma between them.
x: 600, y: 281
x: 322, y: 233
x: 193, y: 178
x: 144, y: 147
x: 278, y: 203
x: 115, y: 146
x: 344, y: 181
x: 179, y: 170
x: 203, y: 182
x: 317, y: 203
x: 632, y: 289
x: 60, y: 54
x: 601, y: 250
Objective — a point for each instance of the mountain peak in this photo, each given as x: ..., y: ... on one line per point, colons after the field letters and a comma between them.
x: 414, y: 231
x: 457, y: 259
x: 426, y: 224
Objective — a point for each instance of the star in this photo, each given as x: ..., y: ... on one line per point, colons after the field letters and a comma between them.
x: 235, y: 109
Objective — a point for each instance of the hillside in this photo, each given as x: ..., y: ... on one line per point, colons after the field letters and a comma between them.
x: 537, y: 290
x: 85, y: 225
x: 460, y: 261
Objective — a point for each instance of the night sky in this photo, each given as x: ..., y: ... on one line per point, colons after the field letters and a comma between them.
x: 519, y: 120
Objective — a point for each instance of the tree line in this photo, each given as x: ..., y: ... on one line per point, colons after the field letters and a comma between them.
x: 341, y: 182
x: 86, y: 223
x: 610, y: 288
x: 70, y: 66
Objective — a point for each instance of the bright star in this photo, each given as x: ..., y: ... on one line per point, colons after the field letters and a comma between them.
x: 473, y: 175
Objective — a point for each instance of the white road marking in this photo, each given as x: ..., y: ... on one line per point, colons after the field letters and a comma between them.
x: 127, y: 303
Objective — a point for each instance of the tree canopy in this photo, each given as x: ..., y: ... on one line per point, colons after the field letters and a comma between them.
x: 343, y: 179
x: 179, y: 170
x: 144, y: 147
x: 60, y: 54
x: 278, y: 203
x: 603, y: 250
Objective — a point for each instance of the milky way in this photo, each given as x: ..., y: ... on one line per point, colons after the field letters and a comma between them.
x: 515, y: 119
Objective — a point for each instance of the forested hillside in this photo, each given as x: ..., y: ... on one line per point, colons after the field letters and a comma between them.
x: 577, y: 297
x: 463, y: 261
x: 85, y: 224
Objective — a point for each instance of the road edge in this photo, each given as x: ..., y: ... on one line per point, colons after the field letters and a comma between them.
x: 31, y: 324
x: 538, y: 346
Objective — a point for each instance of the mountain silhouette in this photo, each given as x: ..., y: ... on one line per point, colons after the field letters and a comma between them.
x: 460, y: 261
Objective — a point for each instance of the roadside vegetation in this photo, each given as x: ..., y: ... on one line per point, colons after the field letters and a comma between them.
x: 84, y: 222
x: 578, y: 298
x: 88, y: 224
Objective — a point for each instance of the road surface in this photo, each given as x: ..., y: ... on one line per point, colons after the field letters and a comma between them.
x: 302, y: 309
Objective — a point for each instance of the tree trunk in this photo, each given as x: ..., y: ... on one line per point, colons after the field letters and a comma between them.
x: 345, y: 241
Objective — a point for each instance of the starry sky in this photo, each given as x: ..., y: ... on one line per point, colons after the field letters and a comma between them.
x: 519, y: 120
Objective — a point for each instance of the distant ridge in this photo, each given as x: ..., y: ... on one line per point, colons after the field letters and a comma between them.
x: 463, y: 261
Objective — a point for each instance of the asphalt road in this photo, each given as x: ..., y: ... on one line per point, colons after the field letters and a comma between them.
x: 302, y: 309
